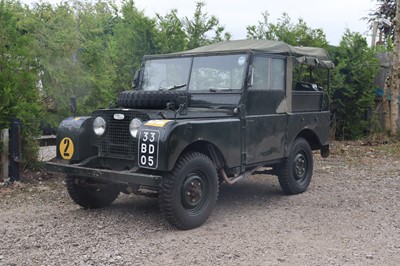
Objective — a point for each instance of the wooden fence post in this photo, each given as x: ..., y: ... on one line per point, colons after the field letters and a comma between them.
x: 5, y: 158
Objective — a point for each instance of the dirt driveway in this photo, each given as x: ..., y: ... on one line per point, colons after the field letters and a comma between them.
x: 349, y: 216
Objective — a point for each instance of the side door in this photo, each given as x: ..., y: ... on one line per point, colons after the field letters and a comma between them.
x: 266, y: 118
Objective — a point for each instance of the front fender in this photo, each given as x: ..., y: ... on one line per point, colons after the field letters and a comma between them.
x: 176, y: 136
x: 73, y: 139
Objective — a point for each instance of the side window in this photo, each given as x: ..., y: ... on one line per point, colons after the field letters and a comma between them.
x: 278, y: 74
x: 268, y: 73
x: 218, y: 72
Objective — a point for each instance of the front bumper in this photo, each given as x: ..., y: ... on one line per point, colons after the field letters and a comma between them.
x: 105, y: 175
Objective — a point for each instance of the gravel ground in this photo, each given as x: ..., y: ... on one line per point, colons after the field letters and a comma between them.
x: 348, y: 216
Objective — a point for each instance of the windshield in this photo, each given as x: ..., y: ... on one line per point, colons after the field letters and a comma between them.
x: 203, y: 73
x: 163, y: 74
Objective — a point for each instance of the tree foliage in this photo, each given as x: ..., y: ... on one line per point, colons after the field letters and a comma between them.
x: 134, y: 36
x: 90, y: 50
x: 61, y: 74
x: 298, y: 34
x: 196, y: 29
x: 384, y: 9
x: 171, y: 34
x: 95, y: 48
x: 353, y: 86
x: 19, y: 93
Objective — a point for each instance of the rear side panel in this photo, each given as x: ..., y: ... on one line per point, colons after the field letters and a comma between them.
x: 314, y: 125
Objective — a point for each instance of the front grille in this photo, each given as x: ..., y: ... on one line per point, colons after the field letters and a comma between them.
x: 117, y: 141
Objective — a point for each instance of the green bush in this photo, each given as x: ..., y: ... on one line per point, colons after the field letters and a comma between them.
x: 353, y: 86
x: 19, y: 93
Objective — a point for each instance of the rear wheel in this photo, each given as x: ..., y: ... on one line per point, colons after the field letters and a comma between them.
x: 296, y: 171
x: 89, y: 195
x: 188, y: 194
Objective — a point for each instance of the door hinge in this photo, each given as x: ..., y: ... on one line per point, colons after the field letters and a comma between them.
x: 244, y: 157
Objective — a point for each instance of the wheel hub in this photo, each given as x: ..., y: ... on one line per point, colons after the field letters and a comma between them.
x: 192, y: 191
x: 300, y: 166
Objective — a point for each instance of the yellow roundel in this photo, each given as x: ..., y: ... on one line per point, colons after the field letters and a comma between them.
x: 66, y: 148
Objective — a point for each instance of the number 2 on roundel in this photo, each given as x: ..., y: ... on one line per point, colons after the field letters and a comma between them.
x: 66, y: 148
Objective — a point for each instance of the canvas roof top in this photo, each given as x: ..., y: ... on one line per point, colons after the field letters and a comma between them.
x: 305, y: 55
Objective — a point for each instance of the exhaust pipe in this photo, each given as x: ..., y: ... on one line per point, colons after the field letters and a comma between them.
x: 232, y: 181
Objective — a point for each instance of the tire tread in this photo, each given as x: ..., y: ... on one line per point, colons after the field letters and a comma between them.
x: 285, y: 171
x: 82, y: 198
x: 168, y: 184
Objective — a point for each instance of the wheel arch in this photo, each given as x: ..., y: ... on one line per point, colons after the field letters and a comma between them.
x: 311, y: 137
x: 207, y: 148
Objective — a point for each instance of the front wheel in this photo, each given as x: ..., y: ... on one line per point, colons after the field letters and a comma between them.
x: 89, y: 195
x: 189, y: 192
x: 296, y: 171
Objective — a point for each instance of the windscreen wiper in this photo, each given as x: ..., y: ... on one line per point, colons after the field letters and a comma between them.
x: 171, y: 88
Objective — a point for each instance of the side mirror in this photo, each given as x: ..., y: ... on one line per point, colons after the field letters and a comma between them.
x: 72, y: 105
x: 135, y: 82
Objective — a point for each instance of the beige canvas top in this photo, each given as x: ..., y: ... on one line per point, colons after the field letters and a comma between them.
x: 305, y: 55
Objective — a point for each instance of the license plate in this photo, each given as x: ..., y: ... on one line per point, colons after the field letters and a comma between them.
x: 148, y: 148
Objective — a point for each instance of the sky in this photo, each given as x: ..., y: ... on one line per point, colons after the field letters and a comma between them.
x: 333, y: 16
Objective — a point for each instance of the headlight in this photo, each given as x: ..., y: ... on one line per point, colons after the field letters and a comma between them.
x: 99, y: 126
x: 134, y: 126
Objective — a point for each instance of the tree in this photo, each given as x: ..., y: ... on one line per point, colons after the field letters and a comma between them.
x: 352, y: 85
x: 19, y: 92
x: 134, y: 37
x: 62, y: 73
x: 384, y: 9
x: 200, y: 25
x: 390, y: 9
x: 76, y: 55
x: 171, y: 35
x: 395, y: 75
x: 96, y: 22
x: 297, y: 34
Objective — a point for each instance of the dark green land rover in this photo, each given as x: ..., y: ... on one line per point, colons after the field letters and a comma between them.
x: 198, y: 118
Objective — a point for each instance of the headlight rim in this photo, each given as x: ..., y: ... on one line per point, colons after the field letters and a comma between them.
x: 96, y: 129
x: 134, y: 131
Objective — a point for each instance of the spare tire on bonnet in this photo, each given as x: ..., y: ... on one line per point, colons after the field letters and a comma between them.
x: 150, y: 99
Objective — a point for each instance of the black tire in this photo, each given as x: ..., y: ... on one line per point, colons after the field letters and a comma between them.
x: 150, y: 99
x: 189, y: 192
x: 296, y: 171
x: 90, y: 197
